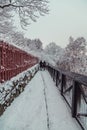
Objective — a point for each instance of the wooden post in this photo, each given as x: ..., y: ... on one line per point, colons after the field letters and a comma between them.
x: 56, y: 77
x: 53, y: 74
x: 63, y: 82
x: 75, y: 92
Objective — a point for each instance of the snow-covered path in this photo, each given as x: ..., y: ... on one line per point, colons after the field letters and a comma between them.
x: 39, y: 107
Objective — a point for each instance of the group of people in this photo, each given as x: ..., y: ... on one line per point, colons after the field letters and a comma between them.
x: 42, y: 65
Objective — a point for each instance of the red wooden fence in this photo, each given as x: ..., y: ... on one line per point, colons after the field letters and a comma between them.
x: 13, y: 61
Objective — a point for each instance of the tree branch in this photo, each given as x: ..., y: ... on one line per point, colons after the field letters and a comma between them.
x: 26, y: 9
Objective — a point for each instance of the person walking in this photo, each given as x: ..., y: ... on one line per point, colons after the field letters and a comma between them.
x: 44, y: 65
x: 41, y: 65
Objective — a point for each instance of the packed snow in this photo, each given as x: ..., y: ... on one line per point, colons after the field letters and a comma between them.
x: 39, y: 107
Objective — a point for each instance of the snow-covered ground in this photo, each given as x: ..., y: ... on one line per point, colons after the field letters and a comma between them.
x: 7, y: 90
x: 39, y: 107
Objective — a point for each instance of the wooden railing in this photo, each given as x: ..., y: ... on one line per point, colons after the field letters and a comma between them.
x: 73, y: 87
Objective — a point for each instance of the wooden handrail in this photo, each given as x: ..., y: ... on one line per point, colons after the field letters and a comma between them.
x: 76, y: 88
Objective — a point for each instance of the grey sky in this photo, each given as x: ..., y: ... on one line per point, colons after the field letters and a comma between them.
x: 66, y: 18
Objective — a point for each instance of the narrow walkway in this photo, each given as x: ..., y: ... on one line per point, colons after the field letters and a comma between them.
x: 39, y: 107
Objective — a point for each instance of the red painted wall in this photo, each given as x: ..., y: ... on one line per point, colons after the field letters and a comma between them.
x: 13, y: 61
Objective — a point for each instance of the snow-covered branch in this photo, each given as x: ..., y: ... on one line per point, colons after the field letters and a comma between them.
x: 26, y: 9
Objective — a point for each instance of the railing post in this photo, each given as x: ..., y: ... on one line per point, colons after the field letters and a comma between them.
x: 50, y: 70
x: 53, y: 74
x: 75, y: 92
x: 63, y: 82
x: 57, y: 78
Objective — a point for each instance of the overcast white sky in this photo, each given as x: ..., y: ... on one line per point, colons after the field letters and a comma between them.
x: 66, y: 18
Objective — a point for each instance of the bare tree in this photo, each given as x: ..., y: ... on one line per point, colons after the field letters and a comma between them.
x: 26, y: 9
